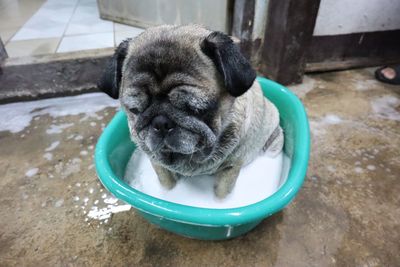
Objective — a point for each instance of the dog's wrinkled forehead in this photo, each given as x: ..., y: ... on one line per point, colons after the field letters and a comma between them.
x: 192, y: 54
x: 159, y: 58
x: 164, y: 51
x: 186, y: 36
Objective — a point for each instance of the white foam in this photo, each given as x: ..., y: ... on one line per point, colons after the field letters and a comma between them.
x: 78, y: 137
x: 68, y: 168
x: 358, y: 170
x: 331, y: 168
x: 52, y: 146
x: 302, y: 89
x: 365, y: 85
x: 105, y: 213
x: 32, y: 172
x: 385, y: 107
x: 59, y: 203
x: 15, y: 117
x: 318, y: 127
x: 48, y: 156
x: 256, y: 182
x: 54, y: 129
x: 110, y: 200
x: 371, y: 167
x: 331, y: 119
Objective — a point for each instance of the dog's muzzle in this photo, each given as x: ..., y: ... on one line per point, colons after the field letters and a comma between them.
x: 170, y: 118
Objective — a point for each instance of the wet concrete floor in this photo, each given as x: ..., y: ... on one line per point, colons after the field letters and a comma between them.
x: 54, y: 212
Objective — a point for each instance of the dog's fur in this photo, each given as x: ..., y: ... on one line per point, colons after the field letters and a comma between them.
x: 201, y: 83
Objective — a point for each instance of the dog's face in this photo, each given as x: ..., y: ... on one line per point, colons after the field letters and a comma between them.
x: 176, y: 85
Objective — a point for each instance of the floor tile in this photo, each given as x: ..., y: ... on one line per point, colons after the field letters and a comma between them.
x: 120, y: 36
x: 123, y: 32
x: 6, y: 34
x: 126, y: 28
x: 49, y: 21
x: 31, y: 47
x: 40, y: 28
x: 86, y: 20
x: 14, y: 14
x: 84, y: 42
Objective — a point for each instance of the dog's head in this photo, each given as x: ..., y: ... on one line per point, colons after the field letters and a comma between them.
x: 176, y: 85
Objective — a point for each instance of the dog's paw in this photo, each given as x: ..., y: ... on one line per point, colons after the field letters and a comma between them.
x: 225, y: 180
x: 221, y: 191
x: 167, y: 179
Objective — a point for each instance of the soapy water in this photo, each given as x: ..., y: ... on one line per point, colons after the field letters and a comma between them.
x: 17, y: 116
x: 256, y: 181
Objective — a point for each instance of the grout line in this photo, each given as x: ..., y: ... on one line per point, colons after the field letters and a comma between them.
x: 12, y: 36
x: 9, y: 39
x: 82, y: 34
x: 20, y: 27
x: 66, y: 26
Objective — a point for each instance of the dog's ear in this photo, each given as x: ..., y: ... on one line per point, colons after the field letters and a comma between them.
x: 111, y: 79
x: 236, y: 71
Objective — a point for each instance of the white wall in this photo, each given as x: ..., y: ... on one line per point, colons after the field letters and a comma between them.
x: 145, y: 13
x: 260, y: 18
x: 351, y: 16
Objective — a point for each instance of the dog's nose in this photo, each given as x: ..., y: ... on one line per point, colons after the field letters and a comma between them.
x: 162, y: 124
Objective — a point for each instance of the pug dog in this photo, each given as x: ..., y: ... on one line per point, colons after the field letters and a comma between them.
x: 193, y: 104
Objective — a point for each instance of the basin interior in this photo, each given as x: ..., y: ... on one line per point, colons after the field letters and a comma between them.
x: 115, y: 148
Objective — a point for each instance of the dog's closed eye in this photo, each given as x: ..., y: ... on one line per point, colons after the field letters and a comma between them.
x: 137, y: 101
x: 134, y: 110
x: 184, y: 98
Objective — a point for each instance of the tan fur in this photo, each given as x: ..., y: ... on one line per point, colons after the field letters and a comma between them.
x: 251, y: 117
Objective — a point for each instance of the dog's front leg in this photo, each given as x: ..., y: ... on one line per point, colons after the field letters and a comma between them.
x: 225, y: 180
x: 166, y: 178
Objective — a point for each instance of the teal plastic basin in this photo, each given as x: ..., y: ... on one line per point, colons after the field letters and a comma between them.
x: 114, y: 149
